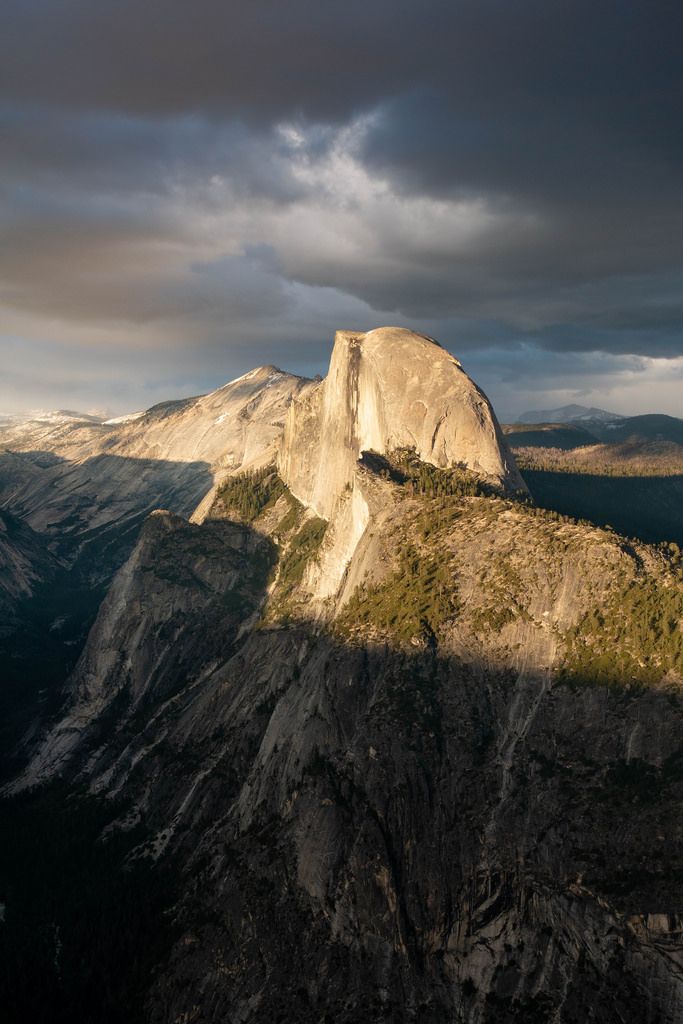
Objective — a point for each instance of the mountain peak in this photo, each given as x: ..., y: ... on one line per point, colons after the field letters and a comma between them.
x: 389, y: 388
x: 568, y: 414
x: 389, y: 336
x: 257, y: 376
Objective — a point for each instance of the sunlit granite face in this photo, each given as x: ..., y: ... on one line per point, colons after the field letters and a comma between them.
x: 387, y: 389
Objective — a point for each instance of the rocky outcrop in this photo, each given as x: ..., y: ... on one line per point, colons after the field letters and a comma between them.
x: 390, y: 388
x: 179, y: 583
x: 79, y: 489
x: 373, y: 863
x: 416, y: 813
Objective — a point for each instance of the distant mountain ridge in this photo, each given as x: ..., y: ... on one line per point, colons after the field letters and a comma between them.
x: 54, y: 416
x: 71, y: 475
x: 596, y: 425
x: 650, y: 427
x: 627, y: 473
x: 568, y: 414
x: 548, y: 435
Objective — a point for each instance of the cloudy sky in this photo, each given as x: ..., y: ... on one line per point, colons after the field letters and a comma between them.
x: 190, y: 188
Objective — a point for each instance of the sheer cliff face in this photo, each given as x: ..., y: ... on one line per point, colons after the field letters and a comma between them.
x: 25, y: 562
x: 418, y: 813
x: 390, y: 388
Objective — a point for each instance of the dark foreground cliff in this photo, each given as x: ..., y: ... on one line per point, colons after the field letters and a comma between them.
x: 437, y: 801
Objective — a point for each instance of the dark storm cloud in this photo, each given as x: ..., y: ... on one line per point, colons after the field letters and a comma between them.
x: 267, y: 59
x: 261, y: 60
x: 507, y: 174
x: 104, y: 151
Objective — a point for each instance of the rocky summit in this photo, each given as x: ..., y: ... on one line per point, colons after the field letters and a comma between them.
x: 387, y: 389
x: 370, y: 735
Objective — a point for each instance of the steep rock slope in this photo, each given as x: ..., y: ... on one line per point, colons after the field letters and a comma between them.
x: 25, y: 563
x: 390, y: 388
x: 79, y: 481
x: 44, y: 619
x: 181, y: 583
x: 440, y: 806
x: 82, y: 489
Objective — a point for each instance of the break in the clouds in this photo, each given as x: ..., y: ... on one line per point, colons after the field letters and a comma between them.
x: 188, y: 190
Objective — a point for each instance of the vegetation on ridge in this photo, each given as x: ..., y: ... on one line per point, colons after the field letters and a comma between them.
x: 301, y: 549
x: 635, y: 639
x: 411, y: 603
x: 632, y: 638
x: 249, y: 494
x: 403, y: 466
x: 646, y: 507
x: 636, y: 486
x: 651, y: 460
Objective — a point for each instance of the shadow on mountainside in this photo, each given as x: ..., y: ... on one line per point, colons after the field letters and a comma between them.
x: 352, y: 831
x: 88, y: 516
x: 344, y: 836
x: 551, y: 435
x: 94, y: 508
x: 647, y: 507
